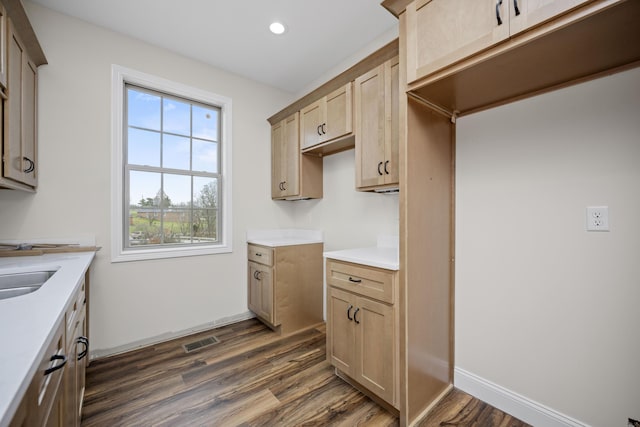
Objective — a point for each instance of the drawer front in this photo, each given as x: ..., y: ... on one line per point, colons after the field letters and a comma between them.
x: 368, y: 281
x: 46, y: 384
x: 261, y: 254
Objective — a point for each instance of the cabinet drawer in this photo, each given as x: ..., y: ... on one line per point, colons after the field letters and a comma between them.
x: 372, y: 282
x: 261, y: 254
x: 46, y: 384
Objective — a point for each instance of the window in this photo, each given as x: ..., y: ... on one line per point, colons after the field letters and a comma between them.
x: 171, y: 162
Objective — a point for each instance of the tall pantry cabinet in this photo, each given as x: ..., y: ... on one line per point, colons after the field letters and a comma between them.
x: 500, y: 52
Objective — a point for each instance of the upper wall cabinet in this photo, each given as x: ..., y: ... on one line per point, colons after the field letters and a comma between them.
x: 442, y: 32
x: 327, y: 119
x: 376, y: 127
x: 20, y: 56
x: 20, y: 150
x: 293, y: 175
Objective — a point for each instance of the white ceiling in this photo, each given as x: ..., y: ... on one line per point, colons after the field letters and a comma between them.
x: 233, y: 35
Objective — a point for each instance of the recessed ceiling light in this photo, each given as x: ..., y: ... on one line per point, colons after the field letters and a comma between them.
x: 277, y: 28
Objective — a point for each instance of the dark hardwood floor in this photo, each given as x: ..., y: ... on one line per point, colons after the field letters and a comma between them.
x: 251, y: 377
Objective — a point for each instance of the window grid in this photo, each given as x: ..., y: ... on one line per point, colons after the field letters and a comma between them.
x: 193, y: 208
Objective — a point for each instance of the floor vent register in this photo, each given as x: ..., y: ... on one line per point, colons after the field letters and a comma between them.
x: 196, y: 345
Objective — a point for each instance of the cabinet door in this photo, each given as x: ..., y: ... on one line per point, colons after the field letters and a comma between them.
x: 311, y: 121
x: 291, y: 156
x: 20, y: 114
x: 261, y: 291
x: 377, y: 102
x: 370, y: 128
x: 285, y: 158
x: 255, y: 294
x: 375, y: 342
x: 339, y: 114
x: 530, y: 13
x: 392, y: 130
x: 341, y: 330
x: 278, y: 155
x: 441, y: 32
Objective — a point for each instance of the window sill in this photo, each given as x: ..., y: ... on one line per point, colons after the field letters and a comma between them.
x: 162, y: 253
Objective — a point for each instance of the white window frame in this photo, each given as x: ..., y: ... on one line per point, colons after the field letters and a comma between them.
x: 120, y: 76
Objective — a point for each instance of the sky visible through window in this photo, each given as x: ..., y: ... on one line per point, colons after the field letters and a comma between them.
x: 161, y: 133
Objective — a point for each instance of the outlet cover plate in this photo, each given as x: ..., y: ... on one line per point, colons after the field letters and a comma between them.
x: 598, y: 218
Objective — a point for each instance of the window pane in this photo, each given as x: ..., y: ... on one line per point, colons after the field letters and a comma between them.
x: 205, y: 225
x: 143, y: 109
x: 205, y: 192
x: 177, y: 226
x: 143, y: 147
x: 144, y: 209
x: 205, y: 123
x: 177, y: 117
x: 177, y: 189
x: 175, y: 152
x: 205, y: 156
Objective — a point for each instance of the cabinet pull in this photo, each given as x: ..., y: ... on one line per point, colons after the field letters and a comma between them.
x: 318, y: 130
x: 31, y: 167
x: 379, y: 166
x: 352, y: 280
x: 355, y: 314
x: 515, y: 7
x: 324, y: 132
x: 284, y: 185
x: 56, y: 367
x: 255, y: 274
x: 498, y: 4
x: 259, y: 275
x: 349, y: 312
x: 84, y: 341
x: 258, y: 254
x: 385, y: 167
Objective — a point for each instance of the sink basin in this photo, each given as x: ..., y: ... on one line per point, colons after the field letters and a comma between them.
x: 16, y: 284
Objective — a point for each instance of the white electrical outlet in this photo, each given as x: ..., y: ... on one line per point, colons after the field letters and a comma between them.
x: 598, y: 218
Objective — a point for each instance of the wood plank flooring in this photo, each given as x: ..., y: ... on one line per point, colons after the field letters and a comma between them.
x: 251, y: 377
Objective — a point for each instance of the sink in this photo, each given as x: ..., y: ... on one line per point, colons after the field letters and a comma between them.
x: 16, y: 284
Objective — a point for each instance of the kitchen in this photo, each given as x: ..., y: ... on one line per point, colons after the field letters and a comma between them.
x: 74, y: 194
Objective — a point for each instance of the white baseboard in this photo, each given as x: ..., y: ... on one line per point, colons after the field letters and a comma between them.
x: 97, y: 354
x: 510, y: 402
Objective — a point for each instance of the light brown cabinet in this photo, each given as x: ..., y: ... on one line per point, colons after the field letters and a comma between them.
x: 77, y: 349
x: 362, y: 326
x: 293, y: 176
x: 20, y: 152
x: 443, y: 32
x: 329, y: 118
x: 376, y: 127
x: 56, y: 392
x: 285, y: 285
x: 20, y: 55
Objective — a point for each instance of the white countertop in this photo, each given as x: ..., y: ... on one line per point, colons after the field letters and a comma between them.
x: 28, y: 321
x: 284, y: 237
x: 381, y: 257
x: 384, y: 255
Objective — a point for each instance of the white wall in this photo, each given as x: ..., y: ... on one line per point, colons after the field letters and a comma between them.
x: 141, y: 301
x: 349, y: 219
x: 544, y: 308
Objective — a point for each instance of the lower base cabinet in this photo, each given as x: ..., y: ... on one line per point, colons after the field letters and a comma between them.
x: 54, y: 397
x: 362, y: 331
x: 285, y: 285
